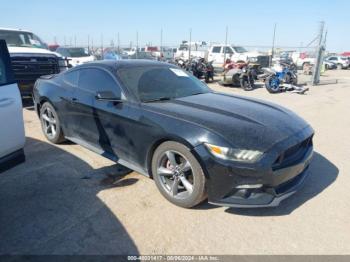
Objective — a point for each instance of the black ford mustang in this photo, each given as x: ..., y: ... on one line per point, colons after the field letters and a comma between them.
x: 159, y: 121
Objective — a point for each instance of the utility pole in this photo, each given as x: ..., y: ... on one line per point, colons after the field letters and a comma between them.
x: 189, y: 46
x: 118, y: 40
x: 273, y: 44
x: 88, y: 46
x: 101, y: 46
x: 225, y: 44
x: 137, y: 43
x: 319, y: 54
x: 161, y: 42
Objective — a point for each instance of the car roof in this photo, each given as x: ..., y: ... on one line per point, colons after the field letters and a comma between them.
x: 126, y: 63
x: 14, y: 29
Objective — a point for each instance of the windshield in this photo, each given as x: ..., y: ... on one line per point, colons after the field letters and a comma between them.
x: 77, y: 52
x: 239, y: 49
x: 156, y: 83
x: 21, y: 39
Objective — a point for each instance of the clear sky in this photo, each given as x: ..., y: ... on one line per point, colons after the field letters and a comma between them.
x: 249, y: 22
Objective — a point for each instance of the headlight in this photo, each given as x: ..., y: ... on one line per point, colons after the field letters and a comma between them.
x: 233, y: 153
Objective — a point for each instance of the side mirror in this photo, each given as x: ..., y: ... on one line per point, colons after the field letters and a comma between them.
x: 108, y: 96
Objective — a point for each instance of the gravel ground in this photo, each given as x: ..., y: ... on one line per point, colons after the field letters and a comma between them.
x: 67, y: 200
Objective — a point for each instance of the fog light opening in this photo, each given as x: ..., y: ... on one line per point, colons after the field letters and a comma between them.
x: 249, y: 186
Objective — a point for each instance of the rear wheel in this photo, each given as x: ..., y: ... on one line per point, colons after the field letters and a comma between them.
x: 50, y: 124
x: 246, y: 85
x: 178, y: 175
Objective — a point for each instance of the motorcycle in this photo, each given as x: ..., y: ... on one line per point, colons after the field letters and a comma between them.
x: 280, y: 74
x: 247, y: 76
x: 240, y: 74
x: 209, y: 72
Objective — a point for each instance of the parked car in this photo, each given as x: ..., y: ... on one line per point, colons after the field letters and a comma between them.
x: 75, y: 55
x: 143, y: 55
x: 30, y: 58
x: 218, y: 53
x: 164, y: 123
x: 328, y: 65
x: 341, y: 61
x: 12, y: 137
x: 303, y: 59
x: 111, y: 55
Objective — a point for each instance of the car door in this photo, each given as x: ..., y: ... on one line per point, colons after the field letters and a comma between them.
x: 227, y: 52
x: 105, y: 125
x: 67, y: 106
x: 12, y: 136
x: 215, y: 54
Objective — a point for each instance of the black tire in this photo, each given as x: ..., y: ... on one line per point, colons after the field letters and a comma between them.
x: 246, y: 85
x: 269, y: 87
x: 49, y: 117
x: 236, y: 80
x: 160, y: 157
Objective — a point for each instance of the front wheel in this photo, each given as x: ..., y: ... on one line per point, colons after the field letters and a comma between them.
x: 178, y: 175
x: 50, y: 124
x: 272, y: 84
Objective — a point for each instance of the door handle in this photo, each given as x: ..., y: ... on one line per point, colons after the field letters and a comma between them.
x: 73, y: 99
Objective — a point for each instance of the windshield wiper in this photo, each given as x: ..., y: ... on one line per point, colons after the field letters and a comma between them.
x: 158, y: 99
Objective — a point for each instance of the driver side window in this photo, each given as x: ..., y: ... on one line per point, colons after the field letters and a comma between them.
x: 93, y: 80
x: 228, y: 50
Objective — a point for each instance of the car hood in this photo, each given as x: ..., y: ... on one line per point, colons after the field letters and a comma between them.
x: 243, y: 122
x: 30, y: 50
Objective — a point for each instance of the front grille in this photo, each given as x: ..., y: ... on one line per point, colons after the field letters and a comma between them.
x: 286, y: 186
x: 31, y: 68
x: 293, y: 154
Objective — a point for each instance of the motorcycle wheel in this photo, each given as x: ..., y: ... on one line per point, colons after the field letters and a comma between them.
x: 246, y: 85
x: 272, y: 84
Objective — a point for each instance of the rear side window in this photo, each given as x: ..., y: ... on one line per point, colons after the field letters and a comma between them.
x: 6, y: 76
x: 71, y: 78
x: 94, y: 80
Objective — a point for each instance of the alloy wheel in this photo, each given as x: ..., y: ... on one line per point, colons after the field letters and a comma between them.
x: 49, y: 123
x: 175, y: 172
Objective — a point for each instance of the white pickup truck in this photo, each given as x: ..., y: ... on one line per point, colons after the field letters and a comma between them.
x: 30, y: 58
x: 218, y: 53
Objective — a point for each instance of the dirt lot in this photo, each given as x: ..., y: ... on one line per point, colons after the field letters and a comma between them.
x: 67, y: 200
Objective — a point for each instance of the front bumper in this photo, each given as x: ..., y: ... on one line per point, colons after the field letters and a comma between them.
x: 242, y: 185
